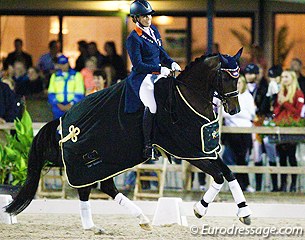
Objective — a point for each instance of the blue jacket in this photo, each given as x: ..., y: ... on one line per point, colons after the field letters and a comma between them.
x: 8, y: 103
x: 146, y: 56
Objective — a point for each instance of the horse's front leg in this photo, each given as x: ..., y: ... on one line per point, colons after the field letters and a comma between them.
x: 85, y: 211
x: 244, y: 210
x: 200, y: 208
x: 109, y: 188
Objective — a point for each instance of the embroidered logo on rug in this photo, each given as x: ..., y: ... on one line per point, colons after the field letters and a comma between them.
x: 92, y: 158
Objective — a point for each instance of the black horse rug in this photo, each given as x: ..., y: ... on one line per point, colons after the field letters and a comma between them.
x: 99, y: 140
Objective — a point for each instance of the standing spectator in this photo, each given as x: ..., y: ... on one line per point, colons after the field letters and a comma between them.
x: 274, y: 75
x: 66, y: 88
x: 47, y: 61
x: 80, y: 61
x: 258, y: 88
x: 8, y: 104
x: 94, y: 52
x: 287, y: 108
x: 115, y: 60
x: 240, y: 144
x: 296, y: 65
x: 19, y: 55
x: 110, y: 74
x: 87, y: 73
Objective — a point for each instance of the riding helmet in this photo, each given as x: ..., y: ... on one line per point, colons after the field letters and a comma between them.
x: 140, y: 8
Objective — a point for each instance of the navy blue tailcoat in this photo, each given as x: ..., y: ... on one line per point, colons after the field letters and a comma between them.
x: 147, y: 56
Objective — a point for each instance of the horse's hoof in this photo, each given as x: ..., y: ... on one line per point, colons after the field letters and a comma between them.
x: 245, y: 220
x: 199, y: 210
x: 197, y: 214
x: 146, y: 226
x: 97, y: 230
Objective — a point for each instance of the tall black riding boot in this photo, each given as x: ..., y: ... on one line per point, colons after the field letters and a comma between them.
x: 274, y: 179
x: 148, y: 120
x: 258, y: 178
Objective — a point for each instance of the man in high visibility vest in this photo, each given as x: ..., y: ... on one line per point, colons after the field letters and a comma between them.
x: 66, y: 88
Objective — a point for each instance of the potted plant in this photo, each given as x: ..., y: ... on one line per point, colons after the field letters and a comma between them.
x: 14, y: 155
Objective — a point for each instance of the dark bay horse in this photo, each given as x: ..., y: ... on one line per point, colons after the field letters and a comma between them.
x: 185, y: 107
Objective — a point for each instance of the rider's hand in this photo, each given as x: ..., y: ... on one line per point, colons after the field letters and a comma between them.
x: 176, y: 67
x: 165, y: 71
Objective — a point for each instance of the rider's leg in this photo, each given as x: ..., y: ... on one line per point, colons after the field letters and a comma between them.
x: 147, y: 97
x: 200, y: 208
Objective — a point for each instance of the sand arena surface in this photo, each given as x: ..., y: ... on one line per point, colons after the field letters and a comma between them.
x: 68, y: 226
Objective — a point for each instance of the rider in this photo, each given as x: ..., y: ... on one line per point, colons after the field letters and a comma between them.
x: 146, y: 53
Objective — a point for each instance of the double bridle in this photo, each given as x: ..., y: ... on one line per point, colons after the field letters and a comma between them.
x: 219, y: 91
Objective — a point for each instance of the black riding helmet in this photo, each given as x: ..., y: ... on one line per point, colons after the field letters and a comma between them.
x: 140, y: 8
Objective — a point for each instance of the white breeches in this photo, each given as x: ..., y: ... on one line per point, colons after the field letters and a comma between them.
x: 147, y: 93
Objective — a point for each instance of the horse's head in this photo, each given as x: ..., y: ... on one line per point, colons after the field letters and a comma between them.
x: 225, y: 83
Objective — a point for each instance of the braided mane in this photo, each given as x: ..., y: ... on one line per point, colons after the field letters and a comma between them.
x: 193, y: 63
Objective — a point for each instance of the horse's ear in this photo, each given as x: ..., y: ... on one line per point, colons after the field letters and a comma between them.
x: 238, y: 54
x: 223, y: 59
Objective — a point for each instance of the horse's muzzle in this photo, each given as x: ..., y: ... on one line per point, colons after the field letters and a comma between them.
x: 235, y: 110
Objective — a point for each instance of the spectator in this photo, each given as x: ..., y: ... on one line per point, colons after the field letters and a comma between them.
x: 115, y: 60
x: 240, y: 144
x: 87, y: 73
x: 288, y: 106
x: 66, y: 88
x: 8, y: 104
x: 110, y: 75
x: 99, y: 78
x: 80, y: 61
x: 274, y: 75
x: 296, y: 65
x: 258, y: 88
x: 21, y: 79
x: 94, y: 52
x: 19, y: 55
x: 7, y: 77
x: 47, y: 61
x: 35, y: 81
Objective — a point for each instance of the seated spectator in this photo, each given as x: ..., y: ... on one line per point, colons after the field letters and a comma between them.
x: 47, y: 61
x: 66, y: 88
x: 8, y: 104
x: 240, y: 144
x: 287, y: 109
x: 7, y: 77
x: 87, y: 73
x: 19, y: 55
x: 99, y: 78
x: 35, y: 81
x: 115, y: 60
x: 80, y: 61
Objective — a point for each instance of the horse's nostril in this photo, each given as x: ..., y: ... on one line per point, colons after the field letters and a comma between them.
x: 234, y: 111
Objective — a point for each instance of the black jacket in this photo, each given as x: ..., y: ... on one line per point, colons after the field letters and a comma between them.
x: 8, y: 103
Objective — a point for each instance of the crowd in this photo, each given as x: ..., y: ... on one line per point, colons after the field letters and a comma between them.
x: 53, y: 76
x: 277, y: 99
x: 265, y: 95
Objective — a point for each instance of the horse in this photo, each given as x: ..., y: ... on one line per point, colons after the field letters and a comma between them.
x: 186, y: 127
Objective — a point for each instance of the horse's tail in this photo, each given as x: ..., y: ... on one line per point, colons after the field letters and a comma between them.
x: 44, y: 148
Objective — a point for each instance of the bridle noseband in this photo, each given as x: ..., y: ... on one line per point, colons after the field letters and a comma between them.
x: 219, y: 91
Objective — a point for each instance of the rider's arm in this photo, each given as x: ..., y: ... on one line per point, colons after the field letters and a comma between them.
x: 134, y: 51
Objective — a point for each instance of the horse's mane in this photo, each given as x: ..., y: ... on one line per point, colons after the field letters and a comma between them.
x: 193, y: 63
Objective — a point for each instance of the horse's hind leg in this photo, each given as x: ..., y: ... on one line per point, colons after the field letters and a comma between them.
x: 244, y: 211
x: 85, y: 211
x: 109, y: 188
x: 201, y: 207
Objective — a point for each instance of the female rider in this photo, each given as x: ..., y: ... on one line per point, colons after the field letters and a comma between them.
x: 150, y: 61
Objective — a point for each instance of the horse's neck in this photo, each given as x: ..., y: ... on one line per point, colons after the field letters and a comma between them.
x: 198, y: 96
